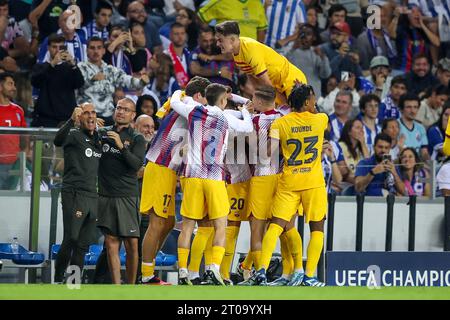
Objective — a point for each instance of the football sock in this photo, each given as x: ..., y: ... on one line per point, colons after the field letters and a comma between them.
x: 286, y: 256
x: 269, y: 243
x: 183, y: 255
x: 208, y: 250
x: 296, y: 248
x: 217, y: 256
x: 257, y: 259
x: 231, y: 233
x: 147, y: 270
x: 314, y: 250
x: 198, y: 247
x: 248, y: 261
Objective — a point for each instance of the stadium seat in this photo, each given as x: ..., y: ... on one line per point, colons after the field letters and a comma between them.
x: 23, y: 257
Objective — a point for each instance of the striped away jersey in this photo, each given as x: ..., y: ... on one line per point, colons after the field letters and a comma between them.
x: 165, y: 148
x: 283, y: 17
x: 262, y: 123
x: 236, y: 162
x: 207, y: 137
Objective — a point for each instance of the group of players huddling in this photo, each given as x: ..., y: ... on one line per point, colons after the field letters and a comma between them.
x: 191, y: 145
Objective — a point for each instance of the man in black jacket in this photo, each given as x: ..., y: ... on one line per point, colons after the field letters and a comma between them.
x: 123, y: 156
x: 56, y: 81
x: 82, y: 152
x: 420, y: 78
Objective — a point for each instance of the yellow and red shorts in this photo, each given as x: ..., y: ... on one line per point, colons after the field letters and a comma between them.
x: 237, y: 196
x: 261, y: 192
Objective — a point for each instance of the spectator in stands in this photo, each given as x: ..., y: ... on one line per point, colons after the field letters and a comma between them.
x: 339, y: 43
x: 369, y: 105
x: 436, y: 135
x: 123, y: 156
x: 341, y: 114
x: 391, y: 127
x: 136, y: 12
x: 249, y: 14
x: 179, y: 53
x: 119, y: 8
x: 389, y: 105
x: 380, y: 77
x: 312, y: 61
x: 283, y: 17
x: 99, y: 26
x: 376, y: 42
x: 246, y: 88
x: 347, y: 82
x: 57, y: 81
x: 188, y: 19
x: 336, y: 13
x: 11, y: 115
x: 75, y: 40
x: 119, y: 49
x: 431, y: 106
x: 443, y: 71
x: 414, y: 176
x: 11, y: 35
x: 415, y: 133
x: 141, y: 59
x: 148, y: 105
x: 118, y: 94
x: 82, y: 152
x: 312, y: 19
x: 411, y: 35
x: 354, y: 149
x: 201, y: 64
x: 331, y: 155
x: 101, y: 79
x: 375, y: 176
x: 420, y: 78
x: 47, y: 13
x: 162, y: 82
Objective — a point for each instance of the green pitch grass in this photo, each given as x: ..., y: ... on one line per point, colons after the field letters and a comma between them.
x: 90, y: 292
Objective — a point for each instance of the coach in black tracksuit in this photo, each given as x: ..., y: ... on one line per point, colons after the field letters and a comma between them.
x: 123, y: 155
x: 82, y: 152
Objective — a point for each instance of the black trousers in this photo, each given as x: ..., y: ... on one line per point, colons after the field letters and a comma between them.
x: 79, y: 223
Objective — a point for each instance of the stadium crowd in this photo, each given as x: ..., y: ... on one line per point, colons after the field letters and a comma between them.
x: 385, y: 88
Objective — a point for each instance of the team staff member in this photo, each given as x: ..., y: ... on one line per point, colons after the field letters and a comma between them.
x: 123, y: 156
x: 262, y: 63
x: 82, y: 152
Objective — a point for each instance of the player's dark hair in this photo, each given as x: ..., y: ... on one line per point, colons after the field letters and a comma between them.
x: 346, y: 139
x: 407, y: 97
x: 386, y: 123
x: 228, y: 28
x: 438, y: 90
x: 368, y: 98
x: 95, y: 39
x: 55, y: 38
x: 398, y: 80
x: 197, y: 85
x: 5, y: 75
x: 299, y: 95
x: 214, y: 91
x: 383, y: 137
x: 266, y: 93
x: 102, y: 5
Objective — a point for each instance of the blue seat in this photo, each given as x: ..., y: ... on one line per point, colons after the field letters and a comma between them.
x: 22, y: 257
x: 91, y: 257
x: 165, y: 260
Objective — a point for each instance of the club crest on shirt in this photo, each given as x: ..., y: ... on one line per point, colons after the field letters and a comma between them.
x: 19, y: 117
x: 78, y: 214
x: 126, y: 143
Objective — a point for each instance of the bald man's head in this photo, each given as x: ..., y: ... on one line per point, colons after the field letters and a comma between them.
x: 145, y: 126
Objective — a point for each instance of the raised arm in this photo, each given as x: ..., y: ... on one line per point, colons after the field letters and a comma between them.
x: 244, y: 126
x: 180, y: 107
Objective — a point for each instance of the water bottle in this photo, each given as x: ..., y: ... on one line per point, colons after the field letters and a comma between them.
x: 15, y: 245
